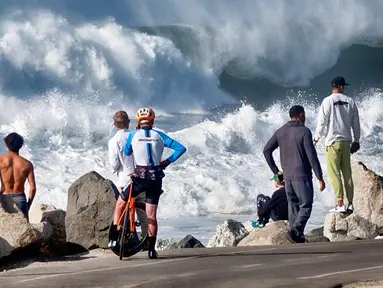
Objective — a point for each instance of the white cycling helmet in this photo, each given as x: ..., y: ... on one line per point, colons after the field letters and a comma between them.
x: 145, y: 115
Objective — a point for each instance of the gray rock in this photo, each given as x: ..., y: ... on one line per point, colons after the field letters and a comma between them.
x: 340, y: 238
x: 368, y: 193
x: 188, y: 242
x: 360, y: 227
x: 338, y: 225
x: 44, y: 230
x: 164, y: 244
x: 313, y: 239
x: 317, y: 232
x: 274, y: 233
x: 335, y: 224
x: 15, y: 230
x: 230, y: 233
x: 91, y: 202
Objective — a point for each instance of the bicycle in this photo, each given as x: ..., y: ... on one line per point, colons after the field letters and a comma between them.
x: 130, y: 241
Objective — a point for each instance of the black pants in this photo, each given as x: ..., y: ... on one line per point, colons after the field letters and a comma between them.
x: 261, y: 202
x: 300, y: 196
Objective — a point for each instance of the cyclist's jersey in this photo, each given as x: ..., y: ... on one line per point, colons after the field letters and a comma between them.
x: 147, y: 145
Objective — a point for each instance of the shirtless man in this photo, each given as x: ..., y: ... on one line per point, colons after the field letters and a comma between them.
x: 14, y: 171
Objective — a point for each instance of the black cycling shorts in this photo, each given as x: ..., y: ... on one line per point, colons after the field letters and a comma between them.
x: 152, y: 188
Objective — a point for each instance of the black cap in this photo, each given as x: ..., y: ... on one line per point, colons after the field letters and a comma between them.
x: 338, y: 81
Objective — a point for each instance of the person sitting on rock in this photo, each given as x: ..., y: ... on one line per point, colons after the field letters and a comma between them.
x: 14, y: 172
x: 275, y: 207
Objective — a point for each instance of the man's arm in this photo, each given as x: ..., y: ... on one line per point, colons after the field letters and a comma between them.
x: 270, y: 146
x: 323, y: 119
x: 114, y: 160
x: 32, y: 185
x: 178, y: 148
x: 312, y: 154
x: 1, y: 178
x: 355, y: 123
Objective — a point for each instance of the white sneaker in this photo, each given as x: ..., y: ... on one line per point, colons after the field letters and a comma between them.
x: 350, y: 208
x: 112, y: 244
x: 339, y: 209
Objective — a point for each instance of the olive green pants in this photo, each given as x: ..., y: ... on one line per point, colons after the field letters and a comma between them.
x: 338, y: 160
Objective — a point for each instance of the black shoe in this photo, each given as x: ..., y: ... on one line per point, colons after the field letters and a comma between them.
x: 291, y: 237
x: 152, y: 254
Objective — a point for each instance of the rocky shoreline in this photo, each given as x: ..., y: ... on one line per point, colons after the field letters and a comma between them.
x: 82, y: 231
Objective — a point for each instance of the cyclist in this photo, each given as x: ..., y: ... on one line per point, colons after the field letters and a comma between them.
x: 147, y: 145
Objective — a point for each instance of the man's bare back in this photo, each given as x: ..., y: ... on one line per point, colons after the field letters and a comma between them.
x: 15, y: 170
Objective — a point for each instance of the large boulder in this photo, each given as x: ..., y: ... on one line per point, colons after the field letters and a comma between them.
x: 15, y: 230
x: 91, y: 202
x: 367, y: 220
x: 228, y: 234
x: 338, y: 225
x: 368, y: 195
x: 274, y: 233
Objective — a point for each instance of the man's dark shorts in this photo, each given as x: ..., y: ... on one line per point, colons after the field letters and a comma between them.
x: 152, y: 188
x: 21, y: 202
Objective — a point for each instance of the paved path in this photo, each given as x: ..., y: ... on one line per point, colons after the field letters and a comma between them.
x: 299, y: 265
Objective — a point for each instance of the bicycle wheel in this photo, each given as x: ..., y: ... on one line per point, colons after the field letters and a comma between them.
x: 130, y: 242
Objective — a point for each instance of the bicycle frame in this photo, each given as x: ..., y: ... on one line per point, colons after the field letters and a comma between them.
x: 127, y: 227
x: 132, y: 212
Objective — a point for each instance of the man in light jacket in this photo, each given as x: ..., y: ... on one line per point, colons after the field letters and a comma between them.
x: 339, y: 114
x: 122, y: 165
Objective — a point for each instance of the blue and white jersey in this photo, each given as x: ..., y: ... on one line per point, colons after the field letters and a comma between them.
x: 147, y: 145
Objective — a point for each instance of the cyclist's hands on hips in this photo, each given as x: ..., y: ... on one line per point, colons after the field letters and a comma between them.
x: 164, y: 164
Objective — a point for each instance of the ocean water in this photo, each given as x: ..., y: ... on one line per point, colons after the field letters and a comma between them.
x: 221, y: 78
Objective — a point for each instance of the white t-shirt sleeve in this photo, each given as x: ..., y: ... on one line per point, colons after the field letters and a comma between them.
x: 323, y: 119
x: 355, y: 123
x: 114, y: 160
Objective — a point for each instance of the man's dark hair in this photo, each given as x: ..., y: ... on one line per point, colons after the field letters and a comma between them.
x: 14, y: 142
x: 296, y: 111
x: 121, y: 120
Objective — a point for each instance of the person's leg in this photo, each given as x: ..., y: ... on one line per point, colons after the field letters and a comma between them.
x: 333, y: 157
x: 140, y: 202
x: 345, y: 165
x: 118, y: 210
x: 305, y: 192
x: 116, y: 190
x: 153, y: 193
x: 293, y: 202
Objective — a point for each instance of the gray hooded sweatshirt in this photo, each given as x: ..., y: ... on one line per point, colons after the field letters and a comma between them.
x: 297, y: 152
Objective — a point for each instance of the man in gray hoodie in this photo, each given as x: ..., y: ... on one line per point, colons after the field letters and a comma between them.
x: 298, y: 158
